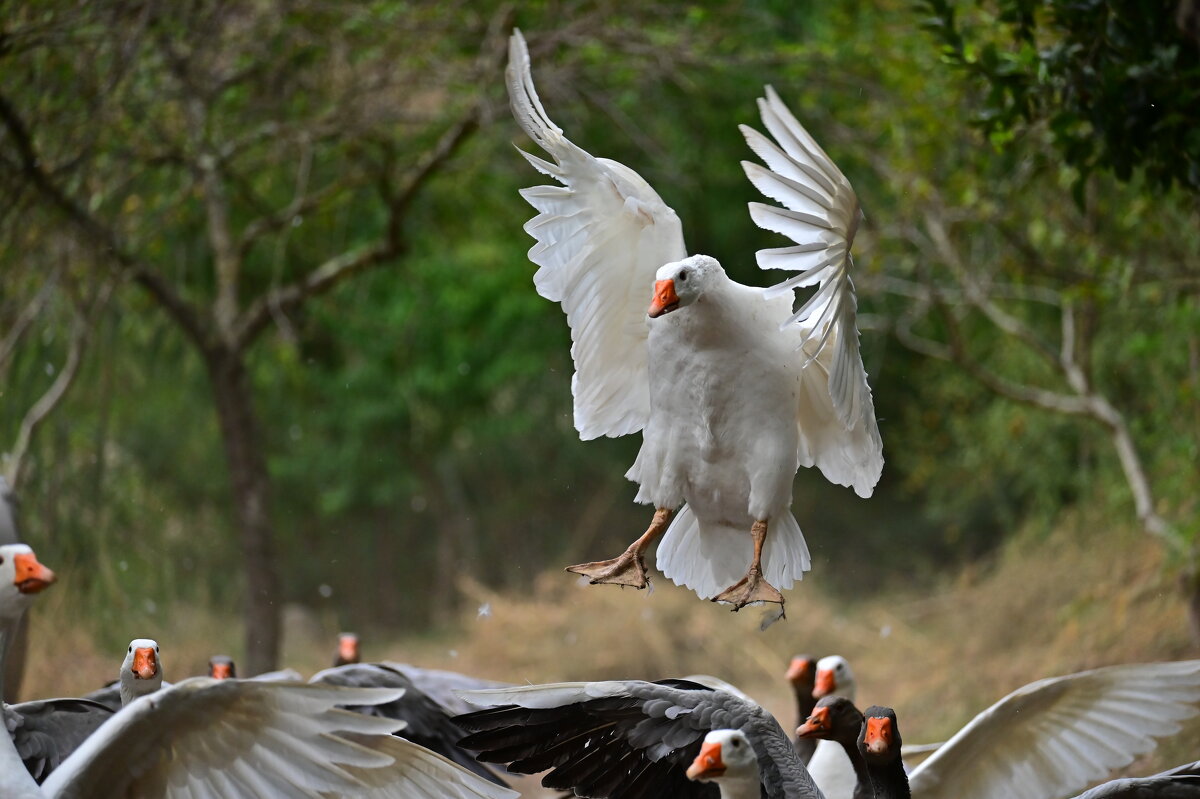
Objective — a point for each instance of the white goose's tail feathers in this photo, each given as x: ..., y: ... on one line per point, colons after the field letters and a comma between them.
x: 709, y: 558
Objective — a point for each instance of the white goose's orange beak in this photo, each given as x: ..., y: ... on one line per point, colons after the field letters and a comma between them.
x: 220, y: 671
x: 708, y: 763
x: 145, y: 663
x: 826, y: 683
x: 31, y: 576
x: 665, y: 299
x: 878, y: 737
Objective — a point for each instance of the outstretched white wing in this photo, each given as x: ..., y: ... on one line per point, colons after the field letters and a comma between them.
x: 821, y: 214
x: 1054, y: 736
x: 231, y: 738
x: 419, y: 772
x: 601, y: 237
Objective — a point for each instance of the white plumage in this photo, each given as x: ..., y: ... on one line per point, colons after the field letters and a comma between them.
x: 1054, y: 736
x: 732, y: 388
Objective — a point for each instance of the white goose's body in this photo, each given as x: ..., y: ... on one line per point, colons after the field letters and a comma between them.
x: 732, y: 390
x: 715, y: 441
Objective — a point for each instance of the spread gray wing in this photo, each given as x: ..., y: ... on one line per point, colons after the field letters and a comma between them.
x: 1182, y: 782
x: 45, y: 732
x: 441, y: 686
x: 626, y: 739
x: 427, y: 722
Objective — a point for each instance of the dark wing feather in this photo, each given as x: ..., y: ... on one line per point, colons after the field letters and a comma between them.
x: 109, y: 696
x: 428, y: 723
x: 45, y: 732
x: 1182, y: 782
x: 441, y: 685
x: 626, y: 739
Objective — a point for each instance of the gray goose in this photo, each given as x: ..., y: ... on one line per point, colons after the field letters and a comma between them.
x: 626, y: 738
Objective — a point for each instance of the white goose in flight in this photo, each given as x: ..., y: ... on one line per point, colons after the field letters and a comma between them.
x: 732, y: 389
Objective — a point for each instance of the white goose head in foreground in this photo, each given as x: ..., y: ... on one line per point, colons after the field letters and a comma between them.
x: 21, y: 577
x: 727, y: 758
x: 732, y: 388
x: 141, y: 673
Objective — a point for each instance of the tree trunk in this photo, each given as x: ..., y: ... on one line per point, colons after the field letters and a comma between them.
x: 250, y: 487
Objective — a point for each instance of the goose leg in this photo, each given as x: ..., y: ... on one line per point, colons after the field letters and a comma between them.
x: 753, y: 587
x: 628, y: 568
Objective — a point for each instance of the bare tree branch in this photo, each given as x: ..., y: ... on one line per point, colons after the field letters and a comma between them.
x: 98, y: 233
x: 81, y: 327
x: 25, y: 318
x: 1069, y: 360
x: 282, y: 299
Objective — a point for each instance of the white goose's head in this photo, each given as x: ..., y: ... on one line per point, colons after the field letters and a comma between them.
x: 834, y: 677
x: 21, y: 576
x: 680, y: 283
x: 141, y: 673
x: 728, y: 757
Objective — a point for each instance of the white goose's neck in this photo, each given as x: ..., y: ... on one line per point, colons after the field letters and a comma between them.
x: 739, y: 786
x: 133, y: 688
x: 15, y: 782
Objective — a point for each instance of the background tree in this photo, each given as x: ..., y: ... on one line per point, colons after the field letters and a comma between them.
x: 1116, y: 82
x: 414, y: 421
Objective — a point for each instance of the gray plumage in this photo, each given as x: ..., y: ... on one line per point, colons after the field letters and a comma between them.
x: 627, y: 739
x: 427, y: 722
x: 1182, y: 782
x: 442, y: 686
x: 45, y: 732
x: 109, y: 696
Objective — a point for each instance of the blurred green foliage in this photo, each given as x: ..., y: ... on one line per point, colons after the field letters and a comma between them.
x: 418, y: 418
x: 1117, y: 82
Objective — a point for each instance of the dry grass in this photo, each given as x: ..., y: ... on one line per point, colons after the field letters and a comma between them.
x: 1081, y: 598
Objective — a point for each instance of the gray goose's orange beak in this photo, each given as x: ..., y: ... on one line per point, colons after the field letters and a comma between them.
x: 878, y: 737
x: 817, y: 725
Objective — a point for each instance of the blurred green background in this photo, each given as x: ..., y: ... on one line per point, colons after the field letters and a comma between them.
x: 1029, y: 288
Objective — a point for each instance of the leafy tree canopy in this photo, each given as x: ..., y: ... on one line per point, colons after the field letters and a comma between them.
x: 1116, y: 81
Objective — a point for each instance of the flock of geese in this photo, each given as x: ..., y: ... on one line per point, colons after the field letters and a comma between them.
x: 396, y: 730
x: 733, y: 391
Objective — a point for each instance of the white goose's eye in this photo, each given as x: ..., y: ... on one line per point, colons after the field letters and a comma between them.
x: 683, y: 276
x: 131, y: 647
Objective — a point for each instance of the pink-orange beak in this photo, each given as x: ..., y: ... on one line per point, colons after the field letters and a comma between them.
x: 799, y: 670
x: 145, y: 663
x: 348, y: 648
x: 665, y: 299
x: 31, y: 576
x: 815, y: 726
x: 878, y: 737
x: 708, y: 763
x: 221, y: 671
x: 826, y: 683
